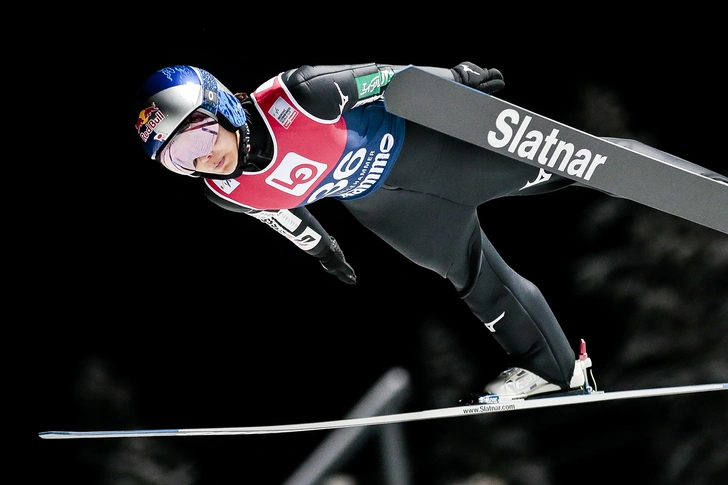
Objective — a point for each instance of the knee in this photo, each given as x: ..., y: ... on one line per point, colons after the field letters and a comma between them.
x: 465, y: 270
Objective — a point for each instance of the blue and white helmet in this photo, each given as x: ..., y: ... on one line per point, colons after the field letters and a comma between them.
x: 169, y: 96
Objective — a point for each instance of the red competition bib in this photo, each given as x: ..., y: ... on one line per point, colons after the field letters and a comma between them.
x: 305, y: 151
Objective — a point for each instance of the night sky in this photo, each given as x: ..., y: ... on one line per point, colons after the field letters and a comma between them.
x: 153, y: 308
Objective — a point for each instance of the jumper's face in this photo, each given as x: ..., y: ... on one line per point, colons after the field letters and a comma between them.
x: 223, y: 158
x: 203, y: 145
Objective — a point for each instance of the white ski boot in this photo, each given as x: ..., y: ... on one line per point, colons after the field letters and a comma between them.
x: 517, y: 383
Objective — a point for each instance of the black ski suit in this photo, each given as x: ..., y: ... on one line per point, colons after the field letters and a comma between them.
x: 426, y: 209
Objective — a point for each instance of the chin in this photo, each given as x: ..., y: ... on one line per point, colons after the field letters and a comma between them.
x: 227, y: 170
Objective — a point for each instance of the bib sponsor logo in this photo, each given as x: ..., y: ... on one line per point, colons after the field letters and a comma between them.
x: 546, y: 150
x: 357, y: 171
x: 295, y: 174
x: 226, y: 186
x: 283, y: 112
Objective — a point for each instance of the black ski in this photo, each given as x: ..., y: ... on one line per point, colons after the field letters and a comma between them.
x: 681, y: 189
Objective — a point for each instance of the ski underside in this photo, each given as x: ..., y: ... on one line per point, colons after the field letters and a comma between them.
x: 669, y: 184
x: 490, y: 405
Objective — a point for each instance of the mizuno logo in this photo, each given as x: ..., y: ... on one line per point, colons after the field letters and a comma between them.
x: 344, y: 99
x: 491, y: 325
x: 467, y: 69
x: 542, y: 176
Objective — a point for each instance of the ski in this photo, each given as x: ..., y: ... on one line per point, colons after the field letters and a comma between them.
x: 671, y: 184
x: 493, y: 405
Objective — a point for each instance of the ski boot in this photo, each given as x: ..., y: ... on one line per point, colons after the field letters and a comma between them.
x: 518, y: 383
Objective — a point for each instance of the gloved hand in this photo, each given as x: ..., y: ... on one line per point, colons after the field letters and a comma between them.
x: 334, y: 263
x: 486, y: 80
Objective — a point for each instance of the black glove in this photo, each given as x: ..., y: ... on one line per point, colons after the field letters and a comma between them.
x: 334, y: 263
x: 486, y: 80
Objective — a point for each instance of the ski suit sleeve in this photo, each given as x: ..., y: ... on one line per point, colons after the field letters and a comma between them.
x: 326, y: 92
x: 300, y: 227
x: 329, y: 91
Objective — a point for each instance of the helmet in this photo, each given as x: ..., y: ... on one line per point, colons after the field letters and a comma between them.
x: 167, y: 98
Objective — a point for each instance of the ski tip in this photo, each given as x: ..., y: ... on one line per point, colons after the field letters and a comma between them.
x: 107, y: 434
x: 55, y: 434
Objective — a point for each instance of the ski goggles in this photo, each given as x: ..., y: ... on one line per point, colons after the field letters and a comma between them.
x: 195, y: 140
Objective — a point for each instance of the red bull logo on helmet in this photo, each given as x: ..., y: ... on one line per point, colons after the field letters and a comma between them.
x: 147, y: 120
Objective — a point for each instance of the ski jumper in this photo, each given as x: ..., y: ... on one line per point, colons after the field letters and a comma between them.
x: 323, y: 132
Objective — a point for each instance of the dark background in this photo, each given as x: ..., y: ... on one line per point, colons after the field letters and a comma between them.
x: 142, y: 305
